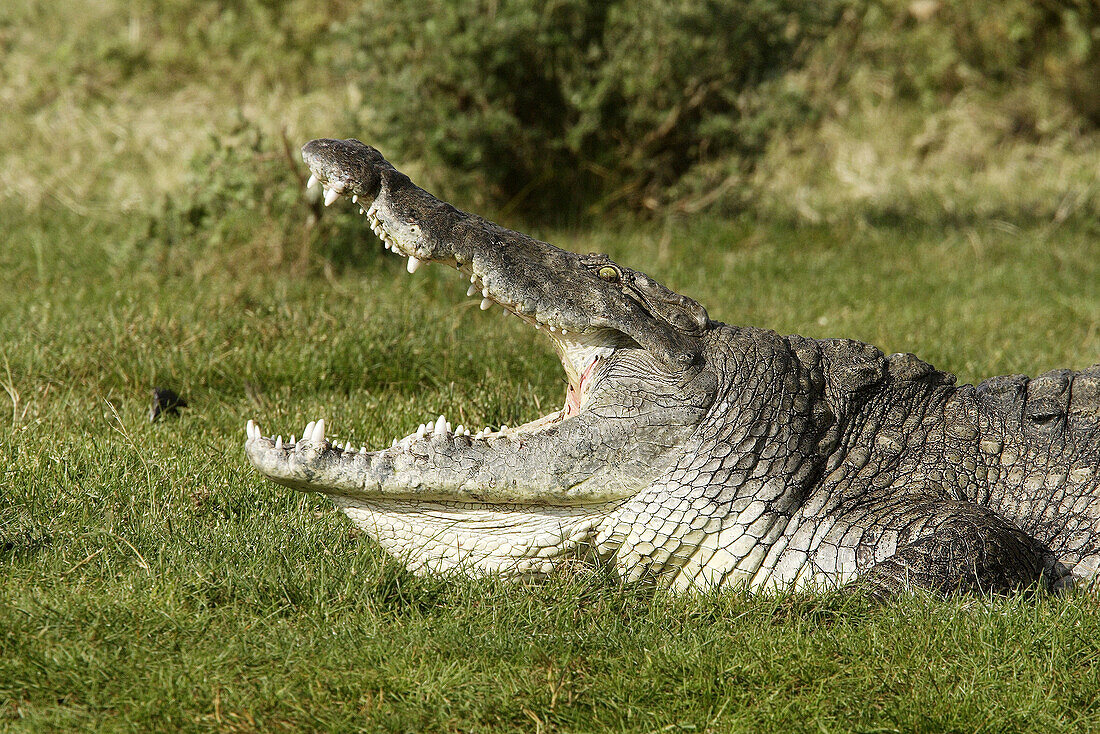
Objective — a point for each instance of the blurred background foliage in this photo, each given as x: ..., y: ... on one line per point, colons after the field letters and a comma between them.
x: 877, y: 110
x: 582, y: 103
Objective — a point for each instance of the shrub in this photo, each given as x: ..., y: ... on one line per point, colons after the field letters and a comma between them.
x: 241, y: 179
x: 579, y: 103
x: 245, y: 207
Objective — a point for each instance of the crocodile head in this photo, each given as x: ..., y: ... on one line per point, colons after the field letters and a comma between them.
x: 514, y: 500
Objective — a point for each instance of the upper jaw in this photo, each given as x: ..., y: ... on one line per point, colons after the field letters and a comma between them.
x: 550, y: 288
x: 404, y: 236
x: 580, y: 346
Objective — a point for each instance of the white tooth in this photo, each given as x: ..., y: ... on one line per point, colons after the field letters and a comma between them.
x: 485, y: 304
x: 312, y: 181
x: 308, y: 431
x: 413, y: 264
x: 440, y: 426
x: 471, y: 290
x: 249, y: 428
x: 355, y: 200
x: 331, y: 196
x: 279, y: 442
x: 318, y: 431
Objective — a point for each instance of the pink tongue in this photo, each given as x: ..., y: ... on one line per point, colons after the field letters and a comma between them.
x: 572, y: 402
x: 573, y: 397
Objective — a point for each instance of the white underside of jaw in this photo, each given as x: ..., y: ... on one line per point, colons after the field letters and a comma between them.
x: 462, y: 538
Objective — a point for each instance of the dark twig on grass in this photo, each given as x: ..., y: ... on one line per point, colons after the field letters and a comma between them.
x: 165, y: 401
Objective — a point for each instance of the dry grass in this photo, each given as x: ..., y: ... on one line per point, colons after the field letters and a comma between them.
x: 104, y: 105
x: 875, y: 157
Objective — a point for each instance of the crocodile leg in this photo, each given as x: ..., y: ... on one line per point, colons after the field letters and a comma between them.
x: 966, y: 548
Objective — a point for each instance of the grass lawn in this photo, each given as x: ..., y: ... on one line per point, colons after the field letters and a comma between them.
x: 150, y: 580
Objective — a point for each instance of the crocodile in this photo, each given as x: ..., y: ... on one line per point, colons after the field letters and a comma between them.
x: 703, y: 455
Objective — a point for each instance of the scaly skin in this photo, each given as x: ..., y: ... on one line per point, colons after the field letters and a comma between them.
x: 703, y: 454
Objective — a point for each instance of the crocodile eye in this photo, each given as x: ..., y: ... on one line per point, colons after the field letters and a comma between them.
x: 608, y: 273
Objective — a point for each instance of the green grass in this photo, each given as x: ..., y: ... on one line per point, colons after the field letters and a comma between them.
x: 149, y: 579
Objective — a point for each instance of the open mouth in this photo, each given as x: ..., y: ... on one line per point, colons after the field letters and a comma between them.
x: 584, y: 350
x: 505, y: 500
